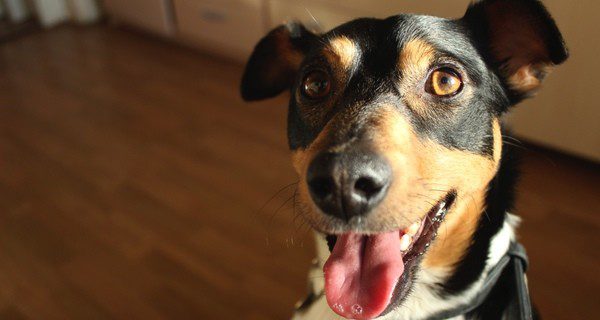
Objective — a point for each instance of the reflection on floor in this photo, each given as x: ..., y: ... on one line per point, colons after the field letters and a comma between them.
x: 132, y: 179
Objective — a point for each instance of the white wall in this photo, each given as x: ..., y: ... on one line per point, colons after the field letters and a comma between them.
x: 51, y: 12
x: 84, y: 11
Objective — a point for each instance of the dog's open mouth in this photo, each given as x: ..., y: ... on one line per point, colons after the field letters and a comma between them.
x: 366, y: 276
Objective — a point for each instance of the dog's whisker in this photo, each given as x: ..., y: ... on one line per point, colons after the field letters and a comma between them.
x: 282, y: 189
x: 270, y: 223
x: 318, y: 24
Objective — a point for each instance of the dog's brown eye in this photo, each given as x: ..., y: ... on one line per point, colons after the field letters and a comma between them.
x: 444, y: 82
x: 316, y: 85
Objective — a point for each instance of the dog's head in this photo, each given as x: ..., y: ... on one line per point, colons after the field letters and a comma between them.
x: 394, y: 129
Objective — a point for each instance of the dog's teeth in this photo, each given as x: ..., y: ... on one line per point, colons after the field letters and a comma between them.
x: 414, y: 228
x: 405, y: 242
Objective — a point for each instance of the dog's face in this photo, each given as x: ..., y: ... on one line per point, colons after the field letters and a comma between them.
x: 394, y: 129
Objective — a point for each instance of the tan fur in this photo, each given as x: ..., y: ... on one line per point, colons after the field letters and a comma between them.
x: 416, y: 56
x: 497, y: 134
x: 414, y: 62
x: 455, y: 234
x: 528, y: 77
x: 342, y: 51
x: 427, y: 167
x: 424, y: 172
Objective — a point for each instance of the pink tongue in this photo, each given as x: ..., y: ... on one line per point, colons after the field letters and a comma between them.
x: 361, y: 273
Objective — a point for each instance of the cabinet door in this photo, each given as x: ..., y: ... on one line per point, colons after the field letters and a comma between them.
x: 231, y: 27
x: 153, y: 15
x: 324, y: 15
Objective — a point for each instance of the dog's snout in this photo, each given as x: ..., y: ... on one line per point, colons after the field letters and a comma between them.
x: 346, y: 185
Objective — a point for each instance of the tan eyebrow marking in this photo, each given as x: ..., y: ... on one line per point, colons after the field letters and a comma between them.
x: 413, y: 63
x: 416, y: 56
x: 344, y: 50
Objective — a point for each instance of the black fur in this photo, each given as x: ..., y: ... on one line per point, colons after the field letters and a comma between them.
x: 468, y: 44
x: 380, y: 43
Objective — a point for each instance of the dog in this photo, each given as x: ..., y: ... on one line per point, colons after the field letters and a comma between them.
x: 395, y: 131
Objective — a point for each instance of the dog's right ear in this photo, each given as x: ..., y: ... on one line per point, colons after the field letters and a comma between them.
x: 275, y: 61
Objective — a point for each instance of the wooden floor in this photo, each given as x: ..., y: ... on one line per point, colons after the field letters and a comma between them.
x: 132, y: 179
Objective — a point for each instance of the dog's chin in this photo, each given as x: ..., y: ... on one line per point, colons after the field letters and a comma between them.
x: 368, y: 274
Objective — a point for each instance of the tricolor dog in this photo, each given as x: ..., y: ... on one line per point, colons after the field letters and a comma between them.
x: 395, y: 132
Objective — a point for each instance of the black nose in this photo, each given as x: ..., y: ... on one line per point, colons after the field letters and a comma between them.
x: 346, y: 185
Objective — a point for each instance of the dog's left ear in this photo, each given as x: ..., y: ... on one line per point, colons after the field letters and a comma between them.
x: 276, y: 59
x: 519, y: 39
